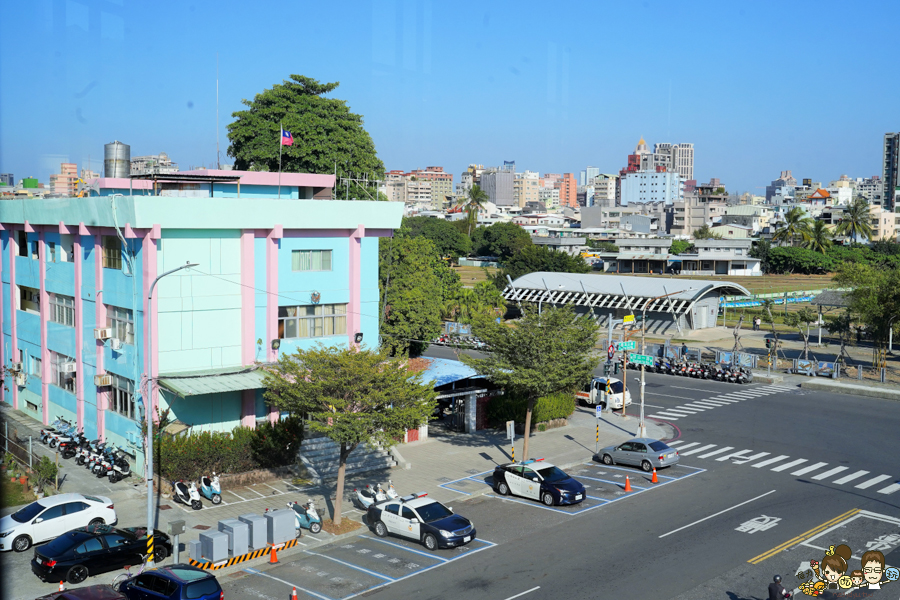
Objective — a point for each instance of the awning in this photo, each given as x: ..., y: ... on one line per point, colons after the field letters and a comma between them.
x: 217, y: 381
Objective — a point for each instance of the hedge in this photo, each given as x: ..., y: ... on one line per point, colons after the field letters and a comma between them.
x: 510, y: 407
x: 244, y: 449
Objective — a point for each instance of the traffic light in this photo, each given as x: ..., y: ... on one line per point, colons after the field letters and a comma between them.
x: 607, y: 367
x: 615, y: 368
x: 638, y: 318
x: 768, y: 343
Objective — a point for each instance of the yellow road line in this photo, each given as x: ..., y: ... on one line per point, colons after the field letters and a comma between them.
x: 818, y: 529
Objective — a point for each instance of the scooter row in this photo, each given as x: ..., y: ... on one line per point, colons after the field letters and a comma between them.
x: 367, y: 496
x: 724, y: 373
x: 189, y: 494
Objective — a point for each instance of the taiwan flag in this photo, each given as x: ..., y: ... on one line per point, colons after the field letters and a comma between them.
x: 286, y: 138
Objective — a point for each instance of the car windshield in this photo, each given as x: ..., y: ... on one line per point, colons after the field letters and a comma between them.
x: 616, y: 387
x: 433, y: 512
x: 29, y: 512
x: 199, y: 589
x: 551, y: 474
x: 658, y: 446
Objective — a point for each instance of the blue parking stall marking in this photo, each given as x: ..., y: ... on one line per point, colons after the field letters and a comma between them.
x: 475, y: 477
x: 604, y: 500
x: 434, y: 556
x: 289, y: 584
x: 352, y: 566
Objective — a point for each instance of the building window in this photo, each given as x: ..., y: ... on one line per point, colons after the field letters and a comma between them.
x: 121, y: 397
x: 311, y: 260
x: 58, y: 375
x: 739, y: 251
x: 23, y: 243
x: 312, y: 321
x: 112, y: 252
x: 62, y: 309
x: 51, y: 252
x: 29, y: 300
x: 66, y: 248
x: 35, y: 253
x: 36, y: 367
x: 121, y: 321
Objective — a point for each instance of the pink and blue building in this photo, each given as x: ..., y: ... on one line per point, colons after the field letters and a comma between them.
x: 272, y: 276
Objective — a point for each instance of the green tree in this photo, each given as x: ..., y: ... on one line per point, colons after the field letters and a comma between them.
x: 799, y: 319
x: 474, y: 203
x: 706, y: 233
x: 817, y: 238
x: 796, y: 224
x: 602, y: 245
x: 468, y: 303
x: 856, y: 221
x: 680, y: 246
x: 500, y: 239
x: 874, y: 297
x: 414, y: 284
x: 353, y: 396
x: 544, y: 353
x: 798, y: 260
x: 761, y: 251
x: 532, y: 259
x: 448, y: 240
x: 327, y: 136
x: 886, y: 247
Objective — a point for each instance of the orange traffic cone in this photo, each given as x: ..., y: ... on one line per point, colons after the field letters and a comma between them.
x: 61, y: 588
x: 627, y: 484
x: 273, y: 557
x: 294, y: 594
x: 655, y: 478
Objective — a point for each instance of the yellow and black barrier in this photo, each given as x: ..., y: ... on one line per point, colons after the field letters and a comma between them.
x: 210, y: 566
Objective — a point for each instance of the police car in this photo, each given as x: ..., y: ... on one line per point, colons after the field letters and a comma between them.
x: 420, y: 518
x: 537, y: 480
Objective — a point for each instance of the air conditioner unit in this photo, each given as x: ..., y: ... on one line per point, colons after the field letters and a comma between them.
x: 67, y: 367
x: 16, y: 366
x: 102, y: 380
x: 102, y: 333
x: 115, y: 343
x: 21, y: 378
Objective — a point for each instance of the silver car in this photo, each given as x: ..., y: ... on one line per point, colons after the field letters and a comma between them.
x: 645, y: 453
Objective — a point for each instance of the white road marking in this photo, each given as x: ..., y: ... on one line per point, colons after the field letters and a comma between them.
x: 766, y: 463
x: 805, y: 470
x: 230, y: 492
x: 890, y: 489
x: 829, y: 473
x: 255, y: 492
x: 696, y: 450
x: 302, y: 589
x: 667, y: 396
x: 717, y: 514
x: 352, y: 566
x: 850, y: 477
x: 276, y: 489
x: 690, y: 411
x: 695, y: 407
x: 687, y: 388
x: 787, y: 466
x: 689, y: 445
x: 664, y: 416
x: 734, y: 455
x: 750, y: 458
x: 523, y: 593
x: 719, y: 451
x: 724, y: 399
x: 871, y: 482
x: 674, y: 443
x: 709, y: 403
x: 679, y: 413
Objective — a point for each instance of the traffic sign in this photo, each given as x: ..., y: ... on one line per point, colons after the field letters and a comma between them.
x: 610, y: 351
x: 627, y: 346
x: 628, y: 319
x: 511, y: 431
x: 599, y: 410
x: 641, y: 359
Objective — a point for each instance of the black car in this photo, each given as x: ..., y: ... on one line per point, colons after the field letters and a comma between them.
x: 90, y: 592
x: 538, y: 480
x: 91, y: 550
x: 175, y: 582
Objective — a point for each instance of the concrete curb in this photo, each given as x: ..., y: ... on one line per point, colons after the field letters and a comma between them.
x: 869, y: 390
x: 401, y: 462
x: 766, y: 378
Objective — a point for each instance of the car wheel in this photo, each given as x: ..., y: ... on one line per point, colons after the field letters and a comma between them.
x: 96, y: 522
x: 380, y: 529
x: 160, y: 554
x: 607, y: 459
x: 315, y: 527
x: 77, y: 574
x: 646, y: 466
x: 547, y: 498
x: 502, y: 488
x: 22, y: 543
x: 430, y: 542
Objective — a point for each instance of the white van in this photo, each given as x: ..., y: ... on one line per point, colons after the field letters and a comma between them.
x: 592, y: 393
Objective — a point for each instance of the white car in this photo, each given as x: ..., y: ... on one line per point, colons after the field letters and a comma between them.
x: 51, y: 517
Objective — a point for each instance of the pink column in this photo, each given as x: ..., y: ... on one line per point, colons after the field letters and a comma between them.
x: 100, y: 318
x: 2, y: 344
x: 354, y: 307
x: 45, y: 315
x: 79, y: 332
x: 248, y: 408
x: 248, y: 308
x: 13, y: 307
x: 151, y: 330
x: 272, y: 299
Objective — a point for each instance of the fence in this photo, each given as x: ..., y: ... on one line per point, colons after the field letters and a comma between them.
x: 23, y: 450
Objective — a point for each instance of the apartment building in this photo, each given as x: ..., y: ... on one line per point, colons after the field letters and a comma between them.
x: 64, y: 182
x: 526, y: 188
x: 441, y: 185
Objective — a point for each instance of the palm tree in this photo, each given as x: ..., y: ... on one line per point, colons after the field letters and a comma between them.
x: 817, y: 237
x: 795, y: 223
x: 474, y: 203
x: 856, y: 221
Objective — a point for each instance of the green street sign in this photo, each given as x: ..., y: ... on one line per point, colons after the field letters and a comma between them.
x: 641, y: 359
x: 626, y: 345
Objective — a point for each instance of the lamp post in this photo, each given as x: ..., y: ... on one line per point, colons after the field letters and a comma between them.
x: 891, y: 335
x: 148, y: 405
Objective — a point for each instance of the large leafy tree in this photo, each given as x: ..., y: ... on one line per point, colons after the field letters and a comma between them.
x: 796, y: 224
x: 798, y: 260
x: 532, y: 259
x: 468, y: 303
x: 545, y: 352
x: 761, y: 251
x: 500, y: 239
x: 856, y: 221
x: 351, y: 395
x: 680, y: 246
x: 327, y: 136
x: 705, y: 232
x: 448, y: 240
x: 817, y: 238
x: 874, y: 297
x: 414, y: 286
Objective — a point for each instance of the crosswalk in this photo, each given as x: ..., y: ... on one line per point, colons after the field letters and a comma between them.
x: 698, y: 406
x: 817, y: 471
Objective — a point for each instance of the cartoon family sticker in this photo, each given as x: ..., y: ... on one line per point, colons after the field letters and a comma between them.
x: 831, y: 573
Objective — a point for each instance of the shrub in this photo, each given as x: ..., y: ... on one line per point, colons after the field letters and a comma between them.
x: 46, y: 471
x: 511, y: 407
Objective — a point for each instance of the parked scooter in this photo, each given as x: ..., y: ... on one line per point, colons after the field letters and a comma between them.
x: 84, y: 452
x: 306, y: 516
x: 367, y: 497
x: 120, y: 468
x: 63, y: 433
x: 390, y: 492
x: 95, y: 456
x: 68, y: 448
x: 187, y: 495
x: 104, y: 465
x: 211, y: 489
x: 747, y: 375
x: 47, y: 431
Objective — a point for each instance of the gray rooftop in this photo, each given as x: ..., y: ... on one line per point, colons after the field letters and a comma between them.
x: 636, y: 287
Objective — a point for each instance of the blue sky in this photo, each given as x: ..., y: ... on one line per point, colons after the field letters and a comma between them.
x: 756, y: 86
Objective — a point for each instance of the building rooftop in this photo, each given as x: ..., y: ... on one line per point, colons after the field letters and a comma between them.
x: 638, y: 287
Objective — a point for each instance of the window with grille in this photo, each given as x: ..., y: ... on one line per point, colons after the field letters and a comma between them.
x: 311, y: 260
x: 58, y: 375
x: 121, y: 321
x: 121, y: 396
x: 111, y: 252
x: 62, y: 309
x: 312, y: 321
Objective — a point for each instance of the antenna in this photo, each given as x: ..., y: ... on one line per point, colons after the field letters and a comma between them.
x: 218, y: 165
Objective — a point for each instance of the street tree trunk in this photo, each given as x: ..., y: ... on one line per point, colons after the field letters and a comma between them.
x: 528, y: 412
x: 339, y: 493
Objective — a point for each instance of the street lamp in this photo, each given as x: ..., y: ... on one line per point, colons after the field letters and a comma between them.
x: 891, y: 336
x: 148, y: 404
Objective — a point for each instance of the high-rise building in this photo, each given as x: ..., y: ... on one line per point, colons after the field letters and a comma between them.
x: 604, y: 190
x: 63, y: 183
x: 549, y: 196
x: 526, y: 188
x: 651, y: 186
x: 588, y: 174
x: 568, y: 191
x: 441, y: 184
x: 7, y: 179
x: 498, y: 185
x: 891, y: 173
x: 783, y: 186
x: 872, y: 188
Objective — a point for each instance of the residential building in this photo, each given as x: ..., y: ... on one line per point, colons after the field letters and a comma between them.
x: 871, y: 188
x: 419, y: 194
x: 604, y: 190
x: 568, y: 191
x: 64, y: 183
x: 7, y: 179
x: 271, y: 276
x: 720, y: 257
x: 783, y: 186
x: 587, y: 175
x: 471, y: 176
x: 890, y: 175
x: 395, y: 186
x: 87, y: 174
x: 618, y: 217
x: 549, y: 196
x: 748, y: 215
x: 690, y: 214
x: 498, y: 185
x: 154, y: 163
x: 526, y: 188
x: 883, y: 223
x: 732, y: 231
x: 441, y: 185
x: 650, y: 186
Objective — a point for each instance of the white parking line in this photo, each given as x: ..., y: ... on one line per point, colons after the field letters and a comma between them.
x: 292, y: 585
x: 829, y: 473
x: 850, y: 477
x: 787, y: 466
x: 805, y: 470
x: 276, y: 489
x: 717, y: 514
x: 255, y: 492
x: 352, y: 566
x: 696, y: 450
x: 871, y: 482
x: 405, y: 548
x: 720, y: 451
x: 236, y: 494
x: 766, y: 463
x: 523, y: 593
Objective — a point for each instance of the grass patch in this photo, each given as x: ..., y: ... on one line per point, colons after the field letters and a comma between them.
x: 14, y: 494
x: 301, y: 482
x: 469, y: 276
x: 347, y: 525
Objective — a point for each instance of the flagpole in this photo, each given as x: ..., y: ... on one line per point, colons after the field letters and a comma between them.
x: 280, y: 148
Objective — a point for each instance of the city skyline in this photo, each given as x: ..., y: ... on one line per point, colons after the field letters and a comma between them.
x: 450, y: 85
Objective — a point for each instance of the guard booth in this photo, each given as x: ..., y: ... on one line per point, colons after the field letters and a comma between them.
x: 464, y: 409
